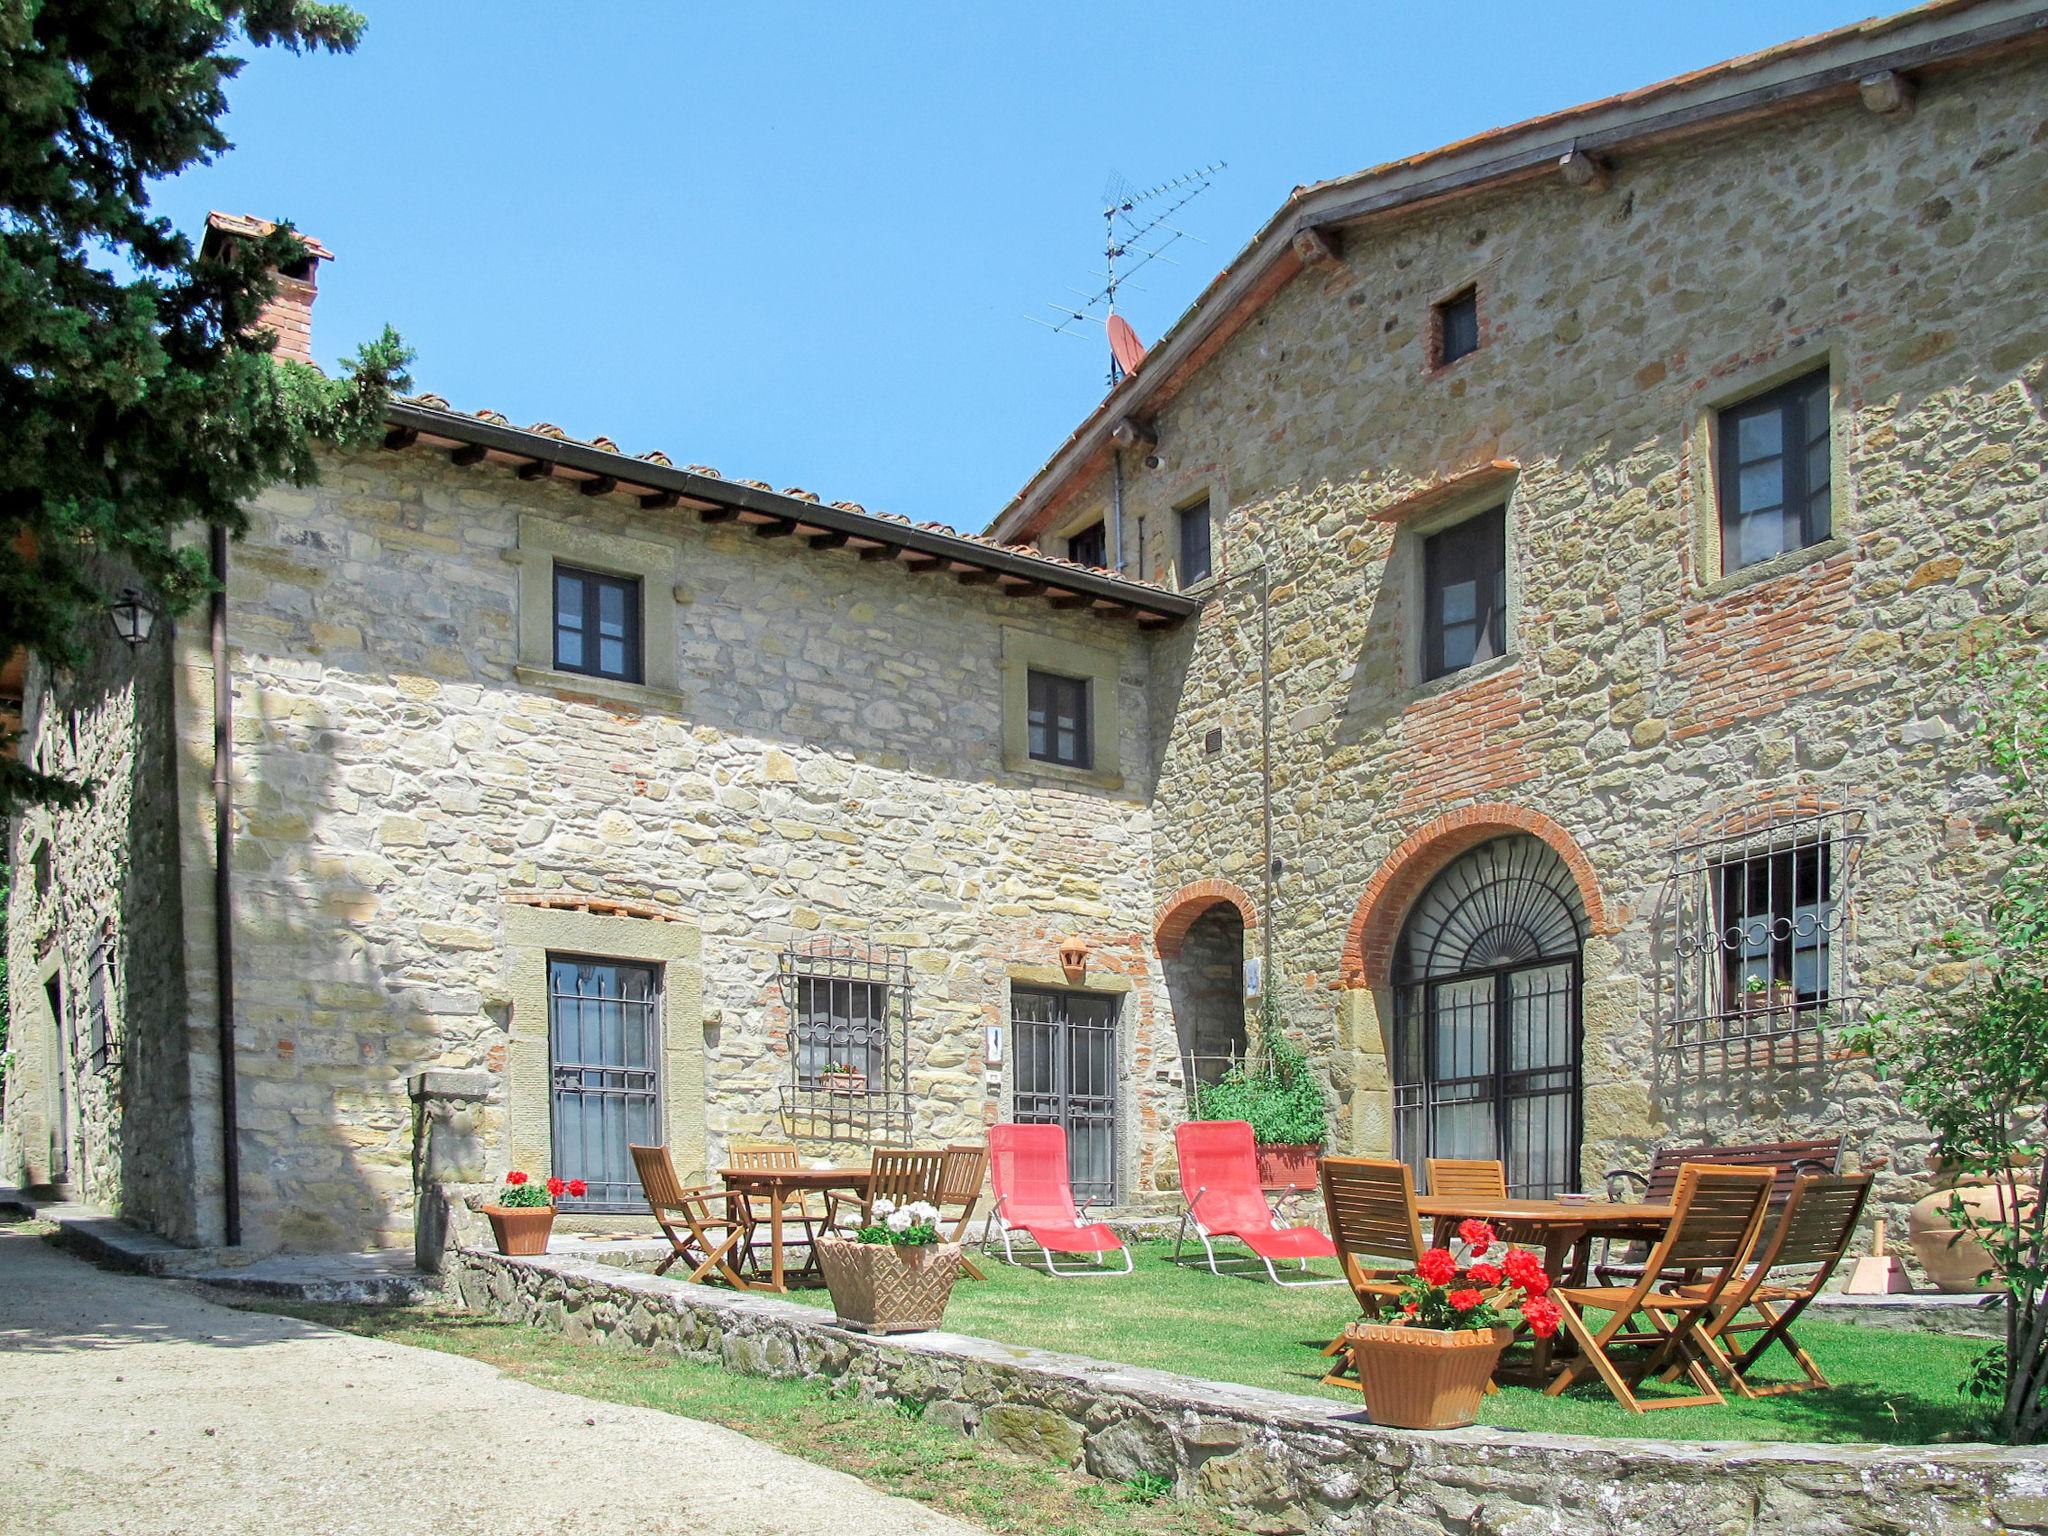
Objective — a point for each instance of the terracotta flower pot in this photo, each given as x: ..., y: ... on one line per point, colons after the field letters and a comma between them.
x: 1424, y: 1378
x: 1953, y: 1263
x: 889, y: 1287
x: 521, y: 1229
x: 845, y: 1084
x: 1290, y: 1167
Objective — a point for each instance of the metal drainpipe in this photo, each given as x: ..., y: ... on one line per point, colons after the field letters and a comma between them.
x: 223, y: 886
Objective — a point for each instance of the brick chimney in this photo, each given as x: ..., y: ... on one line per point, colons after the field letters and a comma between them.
x: 290, y: 311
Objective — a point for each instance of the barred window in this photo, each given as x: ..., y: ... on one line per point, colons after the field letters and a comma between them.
x: 1759, y: 923
x: 99, y: 990
x: 848, y: 1041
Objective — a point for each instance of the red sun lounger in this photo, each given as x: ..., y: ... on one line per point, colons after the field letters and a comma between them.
x: 1028, y: 1167
x: 1219, y: 1178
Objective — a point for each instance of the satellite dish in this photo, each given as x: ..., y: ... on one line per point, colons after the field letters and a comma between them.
x: 1124, y: 345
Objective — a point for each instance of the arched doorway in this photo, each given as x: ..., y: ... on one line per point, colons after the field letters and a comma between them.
x: 1205, y: 984
x: 1486, y: 978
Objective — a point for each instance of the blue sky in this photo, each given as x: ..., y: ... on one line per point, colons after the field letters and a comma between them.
x: 798, y: 243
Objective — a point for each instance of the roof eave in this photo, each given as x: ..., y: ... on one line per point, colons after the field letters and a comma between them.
x: 411, y: 423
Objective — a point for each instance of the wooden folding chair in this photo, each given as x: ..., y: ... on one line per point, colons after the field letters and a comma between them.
x: 690, y: 1218
x: 961, y: 1171
x: 1371, y: 1209
x: 770, y: 1154
x: 1819, y: 1223
x: 1482, y: 1180
x: 901, y: 1176
x: 1716, y: 1215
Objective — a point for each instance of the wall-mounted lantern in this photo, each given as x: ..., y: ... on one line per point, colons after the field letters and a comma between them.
x: 1074, y: 960
x: 134, y: 620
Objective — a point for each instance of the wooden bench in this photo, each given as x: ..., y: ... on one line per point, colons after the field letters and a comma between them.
x: 1789, y: 1160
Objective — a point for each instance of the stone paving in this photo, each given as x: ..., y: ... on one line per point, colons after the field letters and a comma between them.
x: 130, y: 1405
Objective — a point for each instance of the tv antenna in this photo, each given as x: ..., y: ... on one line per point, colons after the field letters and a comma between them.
x: 1137, y: 229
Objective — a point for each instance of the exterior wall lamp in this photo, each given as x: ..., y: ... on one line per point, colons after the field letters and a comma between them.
x: 134, y: 620
x: 1074, y: 960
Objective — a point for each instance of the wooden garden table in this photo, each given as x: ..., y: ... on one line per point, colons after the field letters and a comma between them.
x: 779, y: 1187
x: 1562, y: 1228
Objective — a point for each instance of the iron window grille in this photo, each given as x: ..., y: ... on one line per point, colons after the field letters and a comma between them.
x: 1775, y: 472
x: 99, y: 991
x: 1064, y: 1072
x: 848, y: 1007
x: 1465, y: 594
x: 1060, y: 729
x: 1090, y: 547
x: 597, y: 624
x: 1457, y: 327
x: 1196, y: 557
x: 1759, y: 918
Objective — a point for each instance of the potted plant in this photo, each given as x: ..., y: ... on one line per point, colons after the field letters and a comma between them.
x: 1280, y: 1099
x: 1427, y: 1365
x: 844, y: 1078
x: 525, y: 1212
x: 892, y: 1275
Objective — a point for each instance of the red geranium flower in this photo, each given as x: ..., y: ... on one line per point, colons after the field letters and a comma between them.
x: 1437, y: 1266
x: 515, y: 1177
x: 1542, y: 1315
x: 1412, y: 1308
x: 1466, y: 1300
x: 1476, y: 1235
x: 556, y: 1188
x: 578, y: 1188
x: 1484, y: 1274
x: 1526, y: 1270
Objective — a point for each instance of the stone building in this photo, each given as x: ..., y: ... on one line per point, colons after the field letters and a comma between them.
x: 1524, y: 659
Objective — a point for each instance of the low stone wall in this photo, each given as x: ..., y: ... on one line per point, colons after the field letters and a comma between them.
x: 1294, y: 1463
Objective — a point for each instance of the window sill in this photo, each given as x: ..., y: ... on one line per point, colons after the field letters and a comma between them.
x: 1055, y: 775
x: 640, y: 695
x: 1451, y: 682
x: 1777, y: 565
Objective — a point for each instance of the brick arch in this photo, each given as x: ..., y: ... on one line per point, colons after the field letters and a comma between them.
x: 1187, y: 904
x: 1368, y: 956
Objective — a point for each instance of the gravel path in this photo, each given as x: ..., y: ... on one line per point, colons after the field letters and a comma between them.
x: 130, y: 1405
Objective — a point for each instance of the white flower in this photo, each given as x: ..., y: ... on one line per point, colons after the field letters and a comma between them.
x: 923, y: 1210
x: 884, y: 1206
x: 898, y: 1221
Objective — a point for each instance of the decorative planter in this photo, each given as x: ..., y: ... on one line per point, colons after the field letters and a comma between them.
x: 889, y: 1287
x: 1290, y: 1167
x: 521, y: 1229
x: 1953, y: 1263
x: 846, y: 1084
x: 1424, y: 1378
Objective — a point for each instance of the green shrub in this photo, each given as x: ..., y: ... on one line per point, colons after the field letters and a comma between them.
x: 1277, y: 1093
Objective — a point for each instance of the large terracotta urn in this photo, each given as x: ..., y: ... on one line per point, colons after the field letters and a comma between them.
x: 1953, y: 1264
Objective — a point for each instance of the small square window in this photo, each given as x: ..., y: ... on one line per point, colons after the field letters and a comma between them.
x: 1775, y: 473
x: 1058, y: 720
x: 597, y: 624
x: 1195, y: 562
x: 1090, y: 547
x: 1457, y: 326
x: 1465, y: 594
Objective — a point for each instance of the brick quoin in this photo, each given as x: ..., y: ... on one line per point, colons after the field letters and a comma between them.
x: 1369, y: 945
x: 1187, y: 904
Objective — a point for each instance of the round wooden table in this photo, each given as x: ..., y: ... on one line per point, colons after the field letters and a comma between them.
x: 780, y: 1186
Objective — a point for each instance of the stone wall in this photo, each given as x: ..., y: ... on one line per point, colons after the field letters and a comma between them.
x: 1643, y: 692
x: 827, y: 760
x: 1284, y: 1463
x: 98, y: 1096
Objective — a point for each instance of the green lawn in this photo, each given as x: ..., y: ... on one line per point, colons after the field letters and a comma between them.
x: 1890, y: 1384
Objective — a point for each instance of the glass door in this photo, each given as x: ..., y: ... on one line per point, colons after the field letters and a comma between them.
x: 1065, y: 1074
x: 604, y: 1036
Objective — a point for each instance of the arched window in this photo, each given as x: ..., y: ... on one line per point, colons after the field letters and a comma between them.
x: 1486, y: 1016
